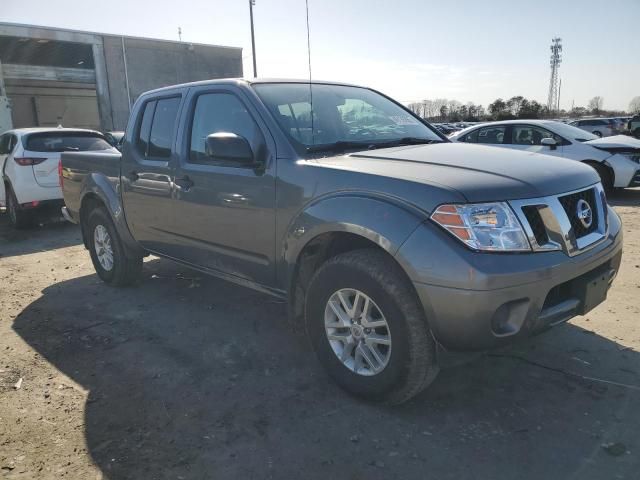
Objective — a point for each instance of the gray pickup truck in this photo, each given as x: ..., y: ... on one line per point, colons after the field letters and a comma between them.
x: 390, y: 243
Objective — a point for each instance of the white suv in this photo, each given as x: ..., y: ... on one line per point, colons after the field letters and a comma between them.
x: 600, y: 127
x: 29, y: 160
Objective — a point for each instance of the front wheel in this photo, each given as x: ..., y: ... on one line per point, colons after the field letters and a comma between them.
x: 368, y: 328
x: 597, y: 133
x: 113, y: 263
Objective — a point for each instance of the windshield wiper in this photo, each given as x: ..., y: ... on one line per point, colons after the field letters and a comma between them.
x: 337, y: 146
x: 344, y: 145
x: 404, y: 141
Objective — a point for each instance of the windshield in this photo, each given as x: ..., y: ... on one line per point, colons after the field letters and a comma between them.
x: 573, y: 133
x: 342, y: 115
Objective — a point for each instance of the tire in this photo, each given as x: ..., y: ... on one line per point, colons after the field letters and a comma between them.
x: 597, y: 133
x: 19, y: 218
x: 606, y: 178
x: 125, y: 267
x: 411, y: 362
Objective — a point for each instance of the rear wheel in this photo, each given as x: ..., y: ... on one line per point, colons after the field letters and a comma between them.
x: 597, y: 133
x: 368, y: 329
x: 19, y: 217
x: 114, y: 264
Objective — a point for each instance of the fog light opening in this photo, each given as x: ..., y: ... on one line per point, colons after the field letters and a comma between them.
x: 509, y: 317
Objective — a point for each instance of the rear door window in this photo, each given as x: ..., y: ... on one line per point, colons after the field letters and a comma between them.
x: 66, y: 142
x: 142, y: 140
x: 158, y: 128
x: 163, y: 128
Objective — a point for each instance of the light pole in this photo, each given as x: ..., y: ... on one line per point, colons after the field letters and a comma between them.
x: 253, y: 39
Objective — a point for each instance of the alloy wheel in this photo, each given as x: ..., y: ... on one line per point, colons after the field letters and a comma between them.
x: 357, y: 331
x: 103, y: 247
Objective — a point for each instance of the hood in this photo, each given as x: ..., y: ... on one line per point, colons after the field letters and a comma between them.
x: 479, y: 173
x: 616, y: 141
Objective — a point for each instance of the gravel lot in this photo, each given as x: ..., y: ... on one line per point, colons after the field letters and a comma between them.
x: 185, y: 376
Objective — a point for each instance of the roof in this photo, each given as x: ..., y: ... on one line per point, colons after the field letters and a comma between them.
x: 505, y: 122
x: 250, y: 81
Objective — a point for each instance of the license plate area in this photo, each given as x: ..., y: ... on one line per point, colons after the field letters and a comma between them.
x: 592, y: 290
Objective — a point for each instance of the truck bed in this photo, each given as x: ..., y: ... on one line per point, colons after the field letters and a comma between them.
x: 81, y: 170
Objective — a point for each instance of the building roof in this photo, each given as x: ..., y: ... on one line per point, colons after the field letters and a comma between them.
x: 30, y: 33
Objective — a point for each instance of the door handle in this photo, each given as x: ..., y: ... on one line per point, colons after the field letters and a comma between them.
x: 133, y: 175
x: 185, y: 183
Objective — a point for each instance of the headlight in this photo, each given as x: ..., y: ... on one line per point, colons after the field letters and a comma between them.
x: 633, y: 156
x: 483, y: 226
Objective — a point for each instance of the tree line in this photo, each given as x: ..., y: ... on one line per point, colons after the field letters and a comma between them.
x: 445, y: 110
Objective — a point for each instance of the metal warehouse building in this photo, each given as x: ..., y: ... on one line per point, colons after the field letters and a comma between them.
x: 53, y: 76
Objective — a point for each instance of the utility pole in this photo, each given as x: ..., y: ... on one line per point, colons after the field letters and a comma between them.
x: 253, y: 38
x: 2, y: 89
x: 554, y: 63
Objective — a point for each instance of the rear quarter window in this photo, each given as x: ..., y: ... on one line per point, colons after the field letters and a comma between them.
x: 65, y: 142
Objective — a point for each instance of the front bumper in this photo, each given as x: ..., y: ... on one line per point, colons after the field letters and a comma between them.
x: 626, y: 172
x: 43, y: 205
x: 486, y: 300
x: 67, y: 215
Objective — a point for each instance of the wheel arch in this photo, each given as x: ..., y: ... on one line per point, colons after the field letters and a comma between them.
x: 89, y: 202
x: 337, y: 225
x: 596, y: 164
x: 97, y: 194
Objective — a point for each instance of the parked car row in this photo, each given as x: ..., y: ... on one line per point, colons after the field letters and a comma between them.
x: 450, y: 128
x: 601, y: 127
x: 616, y: 158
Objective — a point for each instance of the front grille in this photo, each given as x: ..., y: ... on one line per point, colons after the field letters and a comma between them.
x: 570, y: 203
x: 554, y: 223
x: 532, y: 214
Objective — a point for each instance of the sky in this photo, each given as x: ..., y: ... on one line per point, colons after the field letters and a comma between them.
x: 467, y: 50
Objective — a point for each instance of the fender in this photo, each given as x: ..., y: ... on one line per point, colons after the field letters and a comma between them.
x: 106, y: 189
x: 384, y: 220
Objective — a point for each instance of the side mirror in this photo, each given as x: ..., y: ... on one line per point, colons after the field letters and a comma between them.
x: 549, y: 142
x: 230, y: 147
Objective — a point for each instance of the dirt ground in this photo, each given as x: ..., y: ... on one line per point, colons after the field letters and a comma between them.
x: 187, y: 377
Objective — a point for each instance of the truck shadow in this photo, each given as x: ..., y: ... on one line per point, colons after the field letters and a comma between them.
x: 46, y: 234
x: 190, y: 377
x: 628, y: 197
